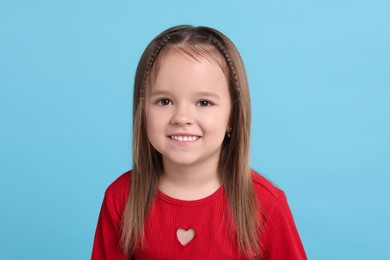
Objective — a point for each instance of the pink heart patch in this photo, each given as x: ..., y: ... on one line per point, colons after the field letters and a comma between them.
x: 185, y: 235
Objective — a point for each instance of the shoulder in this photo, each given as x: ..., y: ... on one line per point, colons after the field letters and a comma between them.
x: 117, y: 192
x: 264, y: 187
x: 121, y: 184
x: 267, y: 193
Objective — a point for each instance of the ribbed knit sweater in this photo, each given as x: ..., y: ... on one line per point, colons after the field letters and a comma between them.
x: 171, y: 223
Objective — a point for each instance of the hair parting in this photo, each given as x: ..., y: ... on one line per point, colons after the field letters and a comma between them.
x: 233, y: 166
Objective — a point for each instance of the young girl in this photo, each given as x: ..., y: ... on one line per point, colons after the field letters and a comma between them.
x: 191, y: 193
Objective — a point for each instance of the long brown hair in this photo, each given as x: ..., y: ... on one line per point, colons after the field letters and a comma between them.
x: 233, y: 166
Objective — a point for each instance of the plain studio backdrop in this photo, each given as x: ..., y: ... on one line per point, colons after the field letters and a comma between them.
x: 319, y: 74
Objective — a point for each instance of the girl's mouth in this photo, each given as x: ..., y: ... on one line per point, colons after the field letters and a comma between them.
x: 184, y: 138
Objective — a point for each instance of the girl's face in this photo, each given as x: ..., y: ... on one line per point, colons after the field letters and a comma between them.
x: 188, y: 110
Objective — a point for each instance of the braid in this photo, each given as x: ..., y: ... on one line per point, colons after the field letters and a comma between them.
x: 222, y: 48
x: 150, y: 63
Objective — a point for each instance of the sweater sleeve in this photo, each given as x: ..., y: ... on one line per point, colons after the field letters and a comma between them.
x: 107, y: 236
x: 280, y: 239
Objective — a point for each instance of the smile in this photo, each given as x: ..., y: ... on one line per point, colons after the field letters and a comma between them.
x: 184, y: 138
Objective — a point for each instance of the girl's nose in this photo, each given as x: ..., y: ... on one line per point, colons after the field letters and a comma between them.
x: 182, y: 116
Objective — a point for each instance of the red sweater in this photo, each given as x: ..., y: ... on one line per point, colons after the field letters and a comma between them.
x: 201, y: 221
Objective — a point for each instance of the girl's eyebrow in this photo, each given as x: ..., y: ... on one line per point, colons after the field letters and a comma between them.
x: 159, y: 92
x: 162, y: 92
x: 207, y: 94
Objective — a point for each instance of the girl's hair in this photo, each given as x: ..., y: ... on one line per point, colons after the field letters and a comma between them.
x: 233, y: 166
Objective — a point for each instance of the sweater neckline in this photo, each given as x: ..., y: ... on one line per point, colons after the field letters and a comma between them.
x: 190, y: 203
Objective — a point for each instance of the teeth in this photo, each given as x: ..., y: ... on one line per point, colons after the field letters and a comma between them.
x: 184, y: 138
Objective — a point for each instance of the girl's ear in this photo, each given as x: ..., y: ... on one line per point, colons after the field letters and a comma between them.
x: 229, y: 132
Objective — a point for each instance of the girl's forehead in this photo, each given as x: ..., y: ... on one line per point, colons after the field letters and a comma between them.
x: 194, y: 53
x: 184, y: 58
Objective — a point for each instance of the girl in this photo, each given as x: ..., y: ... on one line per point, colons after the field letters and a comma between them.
x: 191, y: 193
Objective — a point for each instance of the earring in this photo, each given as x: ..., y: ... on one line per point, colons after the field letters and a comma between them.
x: 229, y: 132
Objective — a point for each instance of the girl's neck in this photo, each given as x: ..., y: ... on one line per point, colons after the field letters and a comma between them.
x: 189, y: 182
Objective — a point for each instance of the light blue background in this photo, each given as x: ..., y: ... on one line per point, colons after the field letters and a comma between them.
x: 319, y: 78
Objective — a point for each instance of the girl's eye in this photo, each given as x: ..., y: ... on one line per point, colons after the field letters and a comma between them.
x: 204, y: 103
x: 163, y: 102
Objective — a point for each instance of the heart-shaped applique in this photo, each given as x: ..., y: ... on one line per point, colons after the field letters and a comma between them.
x: 185, y: 235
